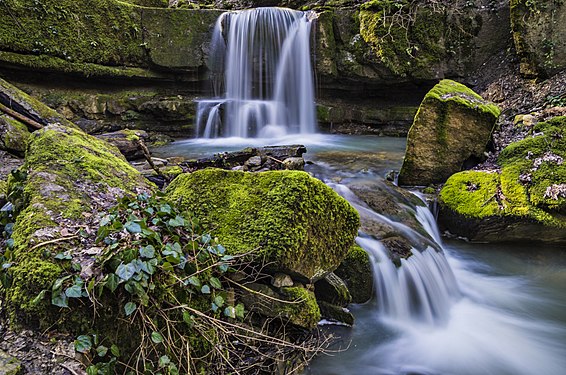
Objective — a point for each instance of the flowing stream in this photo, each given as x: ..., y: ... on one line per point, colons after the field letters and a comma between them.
x: 479, y: 309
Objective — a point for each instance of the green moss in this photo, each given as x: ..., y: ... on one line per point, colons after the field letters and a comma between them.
x: 17, y: 135
x: 452, y: 91
x: 288, y: 217
x: 3, y: 188
x: 356, y: 271
x: 303, y: 311
x: 34, y: 106
x: 471, y: 193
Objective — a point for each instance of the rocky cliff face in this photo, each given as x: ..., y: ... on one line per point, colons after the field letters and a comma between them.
x: 374, y: 62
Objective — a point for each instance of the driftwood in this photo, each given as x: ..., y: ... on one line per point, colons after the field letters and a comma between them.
x: 18, y: 116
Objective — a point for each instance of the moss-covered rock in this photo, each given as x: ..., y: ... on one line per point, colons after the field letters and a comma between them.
x: 526, y: 199
x: 450, y: 133
x: 356, y: 273
x: 71, y: 176
x: 103, y: 33
x: 538, y: 32
x: 296, y: 305
x: 13, y: 135
x: 333, y: 290
x: 19, y: 101
x: 294, y: 222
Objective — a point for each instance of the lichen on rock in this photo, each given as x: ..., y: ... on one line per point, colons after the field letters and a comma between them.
x: 293, y: 222
x: 450, y: 133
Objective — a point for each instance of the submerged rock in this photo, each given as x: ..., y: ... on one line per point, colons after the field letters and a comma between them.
x: 525, y: 200
x: 450, y: 133
x: 293, y: 222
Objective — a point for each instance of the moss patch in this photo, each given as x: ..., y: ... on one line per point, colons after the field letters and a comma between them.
x: 14, y: 135
x: 286, y: 217
x: 356, y: 272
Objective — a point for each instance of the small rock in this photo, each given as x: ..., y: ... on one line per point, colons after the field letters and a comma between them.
x: 294, y: 163
x: 280, y: 280
x: 253, y: 163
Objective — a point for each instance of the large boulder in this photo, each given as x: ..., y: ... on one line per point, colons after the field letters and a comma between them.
x: 450, y: 133
x: 68, y: 178
x: 291, y: 221
x: 525, y: 200
x: 538, y: 33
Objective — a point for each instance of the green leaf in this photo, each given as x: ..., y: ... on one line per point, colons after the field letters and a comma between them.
x: 147, y: 252
x: 112, y: 282
x: 230, y: 312
x: 101, y: 350
x: 115, y: 350
x: 194, y: 280
x: 164, y: 361
x: 188, y: 318
x: 63, y: 256
x: 215, y: 283
x: 223, y: 267
x: 59, y: 300
x: 132, y: 227
x: 83, y: 344
x: 167, y: 267
x: 239, y: 310
x: 92, y: 370
x: 39, y: 297
x: 165, y: 208
x: 125, y: 271
x: 205, y: 289
x: 219, y: 301
x: 156, y: 337
x: 129, y: 308
x: 74, y: 291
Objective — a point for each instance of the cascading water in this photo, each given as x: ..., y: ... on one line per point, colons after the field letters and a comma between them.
x: 263, y: 81
x: 439, y: 315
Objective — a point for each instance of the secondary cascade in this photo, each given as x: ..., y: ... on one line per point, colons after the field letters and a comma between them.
x: 262, y: 76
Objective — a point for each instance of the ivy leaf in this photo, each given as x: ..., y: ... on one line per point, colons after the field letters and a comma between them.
x: 59, y: 300
x: 219, y: 301
x: 125, y: 271
x: 205, y: 289
x: 39, y: 297
x: 164, y: 361
x: 74, y: 291
x: 147, y: 252
x: 83, y: 344
x: 101, y: 350
x: 178, y: 221
x: 112, y: 282
x: 129, y: 308
x: 132, y: 227
x: 115, y: 350
x: 215, y: 283
x: 188, y: 318
x: 239, y: 310
x: 156, y: 337
x: 165, y: 208
x: 63, y: 256
x: 194, y: 280
x: 223, y: 267
x: 230, y: 312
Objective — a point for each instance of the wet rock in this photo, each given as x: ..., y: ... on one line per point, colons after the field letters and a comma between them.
x: 129, y: 142
x: 280, y: 280
x: 450, y: 133
x: 335, y: 313
x: 333, y: 290
x: 253, y: 164
x: 356, y: 272
x: 294, y: 163
x: 300, y: 309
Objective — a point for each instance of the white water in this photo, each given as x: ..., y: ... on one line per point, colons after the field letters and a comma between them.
x: 261, y: 63
x: 440, y: 314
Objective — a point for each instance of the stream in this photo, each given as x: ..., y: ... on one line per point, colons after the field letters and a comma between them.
x: 501, y: 309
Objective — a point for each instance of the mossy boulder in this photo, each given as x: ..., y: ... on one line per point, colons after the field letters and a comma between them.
x: 17, y: 100
x: 295, y: 305
x: 291, y: 221
x: 13, y: 135
x: 69, y: 178
x: 538, y: 32
x: 525, y: 200
x: 356, y: 272
x: 450, y: 132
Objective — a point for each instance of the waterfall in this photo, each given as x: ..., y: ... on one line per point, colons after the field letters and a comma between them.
x: 261, y: 69
x: 423, y: 288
